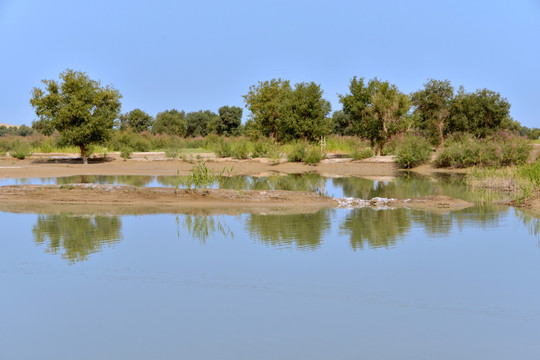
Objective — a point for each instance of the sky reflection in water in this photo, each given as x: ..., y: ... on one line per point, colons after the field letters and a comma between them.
x: 337, y: 283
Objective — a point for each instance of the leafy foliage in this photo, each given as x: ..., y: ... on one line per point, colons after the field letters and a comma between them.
x: 285, y: 114
x: 170, y: 122
x: 500, y: 149
x: 432, y: 105
x: 412, y: 151
x: 136, y: 120
x: 480, y: 113
x: 376, y: 109
x: 21, y: 150
x: 231, y: 120
x: 78, y: 107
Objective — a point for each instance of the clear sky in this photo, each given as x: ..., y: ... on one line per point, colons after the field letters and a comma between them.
x: 193, y: 55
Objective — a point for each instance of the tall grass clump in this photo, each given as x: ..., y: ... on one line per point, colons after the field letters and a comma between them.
x: 500, y: 149
x: 412, y: 151
x: 530, y: 172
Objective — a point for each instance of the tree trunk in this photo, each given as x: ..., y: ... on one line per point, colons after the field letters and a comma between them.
x: 83, y: 154
x: 379, y: 148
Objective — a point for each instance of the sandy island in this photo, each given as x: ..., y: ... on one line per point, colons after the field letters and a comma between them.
x: 135, y: 200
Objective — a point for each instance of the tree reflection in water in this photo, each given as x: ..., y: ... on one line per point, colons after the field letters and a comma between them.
x: 303, y: 230
x: 203, y: 227
x: 76, y: 237
x: 376, y: 228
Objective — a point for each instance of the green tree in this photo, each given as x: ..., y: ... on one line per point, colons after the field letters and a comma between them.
x: 136, y: 120
x: 171, y: 122
x: 79, y: 108
x: 480, y: 113
x: 284, y: 113
x: 305, y: 114
x: 43, y: 126
x: 266, y: 101
x: 376, y: 109
x: 432, y: 105
x: 201, y: 123
x: 343, y: 124
x: 231, y: 119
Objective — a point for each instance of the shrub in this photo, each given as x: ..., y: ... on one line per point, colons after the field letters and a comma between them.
x: 223, y: 149
x: 126, y: 152
x: 172, y: 152
x: 262, y: 148
x: 313, y: 155
x: 297, y: 153
x: 412, y: 151
x: 360, y: 154
x: 21, y: 150
x: 500, y: 149
x: 240, y: 149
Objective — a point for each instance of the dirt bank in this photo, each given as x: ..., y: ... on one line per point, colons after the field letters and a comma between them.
x: 130, y: 199
x: 52, y: 165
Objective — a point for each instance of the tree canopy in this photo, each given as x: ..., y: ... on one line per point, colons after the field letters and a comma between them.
x: 231, y: 119
x: 480, y: 113
x: 171, y: 122
x: 136, y: 120
x: 284, y: 113
x: 78, y: 107
x: 376, y: 109
x: 432, y: 105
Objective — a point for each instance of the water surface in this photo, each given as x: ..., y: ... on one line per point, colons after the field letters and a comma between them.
x: 338, y: 283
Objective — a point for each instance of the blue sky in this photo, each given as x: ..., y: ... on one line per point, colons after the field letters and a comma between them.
x: 193, y: 55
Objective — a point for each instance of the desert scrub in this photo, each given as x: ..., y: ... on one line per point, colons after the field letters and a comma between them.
x: 21, y: 150
x: 500, y: 149
x: 412, y: 151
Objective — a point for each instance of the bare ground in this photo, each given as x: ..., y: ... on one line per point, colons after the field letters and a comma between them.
x: 129, y: 199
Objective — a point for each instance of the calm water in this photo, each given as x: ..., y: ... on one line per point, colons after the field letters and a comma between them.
x: 341, y: 284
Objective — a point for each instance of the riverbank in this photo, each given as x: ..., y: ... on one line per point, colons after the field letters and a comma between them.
x: 125, y: 199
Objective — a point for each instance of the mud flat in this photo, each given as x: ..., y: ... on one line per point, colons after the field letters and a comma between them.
x: 115, y: 199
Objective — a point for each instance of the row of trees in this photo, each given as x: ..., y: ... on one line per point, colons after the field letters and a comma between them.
x: 227, y: 122
x: 84, y: 112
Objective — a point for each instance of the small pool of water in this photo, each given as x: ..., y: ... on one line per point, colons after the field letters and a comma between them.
x: 407, y: 185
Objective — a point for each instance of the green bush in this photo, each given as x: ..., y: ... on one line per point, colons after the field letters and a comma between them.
x: 298, y: 152
x: 360, y: 154
x: 126, y: 152
x: 500, y: 149
x: 172, y: 152
x: 21, y: 150
x: 262, y: 148
x: 223, y: 148
x: 240, y: 149
x: 313, y: 155
x: 412, y: 151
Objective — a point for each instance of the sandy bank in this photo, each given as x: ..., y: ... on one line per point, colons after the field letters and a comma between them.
x: 128, y: 199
